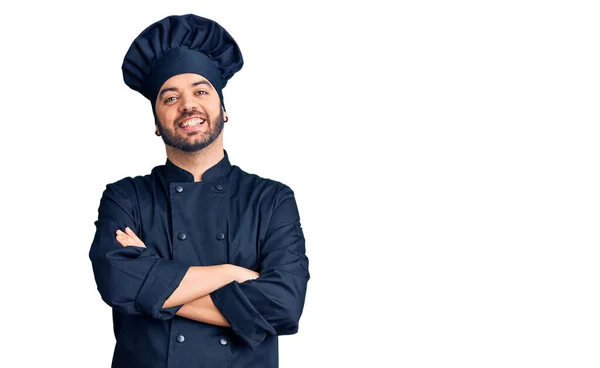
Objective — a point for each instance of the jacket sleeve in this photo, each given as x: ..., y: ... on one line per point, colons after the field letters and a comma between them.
x: 273, y: 303
x: 132, y: 280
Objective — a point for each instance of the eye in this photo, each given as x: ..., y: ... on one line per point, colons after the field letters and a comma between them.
x: 201, y: 92
x: 170, y: 99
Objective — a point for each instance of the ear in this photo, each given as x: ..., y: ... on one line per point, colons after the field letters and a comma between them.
x: 225, y: 115
x: 156, y: 131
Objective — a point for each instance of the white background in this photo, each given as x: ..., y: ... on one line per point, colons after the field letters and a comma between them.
x: 444, y: 156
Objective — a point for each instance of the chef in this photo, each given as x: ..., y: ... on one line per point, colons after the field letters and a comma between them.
x: 203, y: 264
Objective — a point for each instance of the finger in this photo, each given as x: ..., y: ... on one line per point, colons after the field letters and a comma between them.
x: 141, y: 243
x: 124, y: 239
x: 130, y: 232
x: 134, y: 237
x: 129, y: 238
x: 121, y: 241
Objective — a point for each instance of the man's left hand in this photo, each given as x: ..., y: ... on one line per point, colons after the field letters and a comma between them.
x: 129, y: 239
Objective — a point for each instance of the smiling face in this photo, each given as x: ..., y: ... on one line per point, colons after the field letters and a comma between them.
x: 189, y: 112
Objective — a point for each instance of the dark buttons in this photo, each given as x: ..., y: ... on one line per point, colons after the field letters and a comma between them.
x: 179, y: 189
x: 220, y: 236
x: 219, y: 187
x: 181, y: 236
x: 223, y: 341
x: 180, y: 338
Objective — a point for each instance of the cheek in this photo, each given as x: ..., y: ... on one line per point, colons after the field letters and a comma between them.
x: 166, y: 115
x: 215, y: 108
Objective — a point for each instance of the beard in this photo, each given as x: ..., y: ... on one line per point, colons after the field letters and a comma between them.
x: 196, y: 142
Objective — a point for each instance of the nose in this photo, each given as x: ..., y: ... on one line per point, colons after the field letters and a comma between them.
x: 188, y: 103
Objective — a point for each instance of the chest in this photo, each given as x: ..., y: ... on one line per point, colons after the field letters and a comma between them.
x: 202, y: 224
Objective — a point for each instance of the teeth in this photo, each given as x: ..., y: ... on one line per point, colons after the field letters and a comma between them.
x: 191, y: 122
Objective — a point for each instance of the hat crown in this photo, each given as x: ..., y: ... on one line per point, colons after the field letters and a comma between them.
x: 185, y: 32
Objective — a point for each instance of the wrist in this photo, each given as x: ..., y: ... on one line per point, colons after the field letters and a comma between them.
x: 230, y: 273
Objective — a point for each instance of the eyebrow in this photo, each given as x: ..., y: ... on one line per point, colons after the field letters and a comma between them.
x: 201, y: 82
x: 173, y: 89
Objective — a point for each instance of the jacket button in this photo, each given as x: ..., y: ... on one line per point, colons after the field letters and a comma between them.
x: 179, y: 189
x: 220, y: 236
x: 181, y: 236
x: 180, y: 338
x: 223, y: 341
x: 219, y: 187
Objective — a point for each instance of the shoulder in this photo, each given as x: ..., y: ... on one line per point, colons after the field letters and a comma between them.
x: 260, y: 183
x: 128, y: 187
x: 274, y: 197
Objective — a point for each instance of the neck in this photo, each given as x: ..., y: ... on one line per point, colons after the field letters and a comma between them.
x: 197, y: 162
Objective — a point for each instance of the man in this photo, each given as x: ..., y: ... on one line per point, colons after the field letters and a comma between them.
x: 203, y: 264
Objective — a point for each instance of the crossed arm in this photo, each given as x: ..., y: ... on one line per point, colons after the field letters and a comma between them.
x: 135, y: 280
x: 198, y: 308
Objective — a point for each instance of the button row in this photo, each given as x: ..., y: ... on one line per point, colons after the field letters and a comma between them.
x: 179, y: 188
x: 182, y: 236
x: 223, y: 341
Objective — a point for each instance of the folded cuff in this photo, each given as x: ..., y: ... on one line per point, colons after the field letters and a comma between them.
x: 241, y: 315
x: 162, y: 280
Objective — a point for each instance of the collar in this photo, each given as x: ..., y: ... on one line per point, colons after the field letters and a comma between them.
x: 176, y: 173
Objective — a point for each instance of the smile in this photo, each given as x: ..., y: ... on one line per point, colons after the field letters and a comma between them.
x: 191, y: 123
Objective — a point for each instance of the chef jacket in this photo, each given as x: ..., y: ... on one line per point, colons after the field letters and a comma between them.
x: 230, y: 217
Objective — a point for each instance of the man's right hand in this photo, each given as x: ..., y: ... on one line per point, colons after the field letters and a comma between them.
x: 203, y: 280
x: 241, y: 274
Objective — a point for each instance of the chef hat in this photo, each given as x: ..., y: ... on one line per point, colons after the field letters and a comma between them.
x: 180, y: 44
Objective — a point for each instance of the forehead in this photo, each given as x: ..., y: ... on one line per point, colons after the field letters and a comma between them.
x: 185, y: 80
